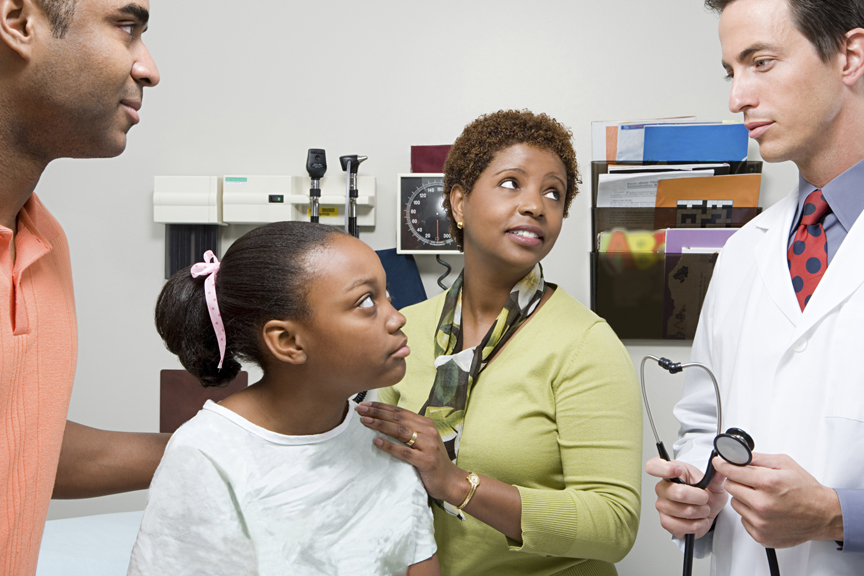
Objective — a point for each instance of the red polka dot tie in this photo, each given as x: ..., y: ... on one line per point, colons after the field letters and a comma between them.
x: 808, y: 254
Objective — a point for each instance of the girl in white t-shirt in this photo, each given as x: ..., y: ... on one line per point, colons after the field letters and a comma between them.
x: 281, y: 478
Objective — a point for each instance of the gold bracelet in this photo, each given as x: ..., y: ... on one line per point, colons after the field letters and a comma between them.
x: 474, y: 481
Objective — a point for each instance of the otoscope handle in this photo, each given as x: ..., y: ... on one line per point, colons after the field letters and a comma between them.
x: 313, y: 206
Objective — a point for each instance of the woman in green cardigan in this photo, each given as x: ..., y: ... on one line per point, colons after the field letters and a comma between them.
x: 520, y: 407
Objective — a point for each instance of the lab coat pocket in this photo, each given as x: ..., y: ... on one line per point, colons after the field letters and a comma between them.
x: 848, y: 412
x: 839, y: 347
x: 845, y: 401
x: 844, y: 447
x: 841, y: 384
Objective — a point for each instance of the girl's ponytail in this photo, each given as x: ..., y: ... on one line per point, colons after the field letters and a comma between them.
x: 184, y: 324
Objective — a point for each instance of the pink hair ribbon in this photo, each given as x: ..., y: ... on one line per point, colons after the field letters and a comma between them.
x: 209, y: 268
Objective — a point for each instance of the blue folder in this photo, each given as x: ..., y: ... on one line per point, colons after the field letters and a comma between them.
x: 695, y: 143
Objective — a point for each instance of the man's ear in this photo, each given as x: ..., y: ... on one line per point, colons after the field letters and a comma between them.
x: 284, y: 339
x: 853, y: 56
x: 18, y: 21
x: 457, y: 199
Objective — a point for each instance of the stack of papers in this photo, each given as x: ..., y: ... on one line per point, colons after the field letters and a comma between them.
x: 632, y: 189
x: 654, y: 186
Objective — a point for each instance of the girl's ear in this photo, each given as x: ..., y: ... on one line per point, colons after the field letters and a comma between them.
x: 283, y: 339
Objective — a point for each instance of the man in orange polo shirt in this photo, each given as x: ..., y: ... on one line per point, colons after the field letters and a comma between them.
x: 72, y: 76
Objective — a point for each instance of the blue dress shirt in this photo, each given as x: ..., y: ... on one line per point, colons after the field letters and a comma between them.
x: 845, y: 196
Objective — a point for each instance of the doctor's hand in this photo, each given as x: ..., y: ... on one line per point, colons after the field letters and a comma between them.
x: 781, y: 504
x: 685, y: 509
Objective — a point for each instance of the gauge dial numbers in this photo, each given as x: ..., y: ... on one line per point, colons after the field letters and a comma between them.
x: 423, y: 224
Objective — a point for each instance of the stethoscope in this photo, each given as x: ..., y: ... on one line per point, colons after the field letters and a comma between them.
x: 734, y: 446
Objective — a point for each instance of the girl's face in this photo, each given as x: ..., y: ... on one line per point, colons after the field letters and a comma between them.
x: 513, y: 215
x: 354, y: 337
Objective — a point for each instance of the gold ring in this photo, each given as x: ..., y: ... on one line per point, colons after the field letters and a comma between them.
x: 412, y: 440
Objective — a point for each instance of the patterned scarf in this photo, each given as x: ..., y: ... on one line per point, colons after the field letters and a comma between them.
x: 458, y: 372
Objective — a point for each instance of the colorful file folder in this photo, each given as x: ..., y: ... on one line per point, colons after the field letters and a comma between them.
x: 695, y: 143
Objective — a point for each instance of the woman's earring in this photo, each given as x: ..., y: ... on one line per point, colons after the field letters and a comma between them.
x: 459, y: 225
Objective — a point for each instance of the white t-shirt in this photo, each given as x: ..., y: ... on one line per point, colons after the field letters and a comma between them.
x: 232, y: 498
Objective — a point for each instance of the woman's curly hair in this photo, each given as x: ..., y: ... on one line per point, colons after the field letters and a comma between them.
x: 483, y: 138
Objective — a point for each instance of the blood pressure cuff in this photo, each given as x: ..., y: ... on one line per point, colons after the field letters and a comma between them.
x: 403, y: 278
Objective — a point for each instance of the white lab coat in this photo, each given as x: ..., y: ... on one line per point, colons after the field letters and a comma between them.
x: 793, y: 380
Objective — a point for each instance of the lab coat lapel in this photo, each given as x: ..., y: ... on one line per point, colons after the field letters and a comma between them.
x: 770, y: 256
x: 842, y: 278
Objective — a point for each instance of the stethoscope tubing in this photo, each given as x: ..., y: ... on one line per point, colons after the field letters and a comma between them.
x: 690, y: 539
x: 678, y: 368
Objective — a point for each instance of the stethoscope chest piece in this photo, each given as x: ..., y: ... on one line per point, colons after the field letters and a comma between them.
x: 735, y: 446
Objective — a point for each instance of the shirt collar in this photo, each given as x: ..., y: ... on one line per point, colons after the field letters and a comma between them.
x: 36, y: 231
x: 845, y: 195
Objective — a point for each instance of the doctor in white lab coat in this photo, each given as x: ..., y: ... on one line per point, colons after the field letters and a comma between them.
x: 792, y: 378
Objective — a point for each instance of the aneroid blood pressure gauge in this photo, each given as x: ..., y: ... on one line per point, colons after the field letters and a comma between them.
x: 423, y: 225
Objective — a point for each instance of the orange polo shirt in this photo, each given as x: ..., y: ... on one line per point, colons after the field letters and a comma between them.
x: 38, y: 347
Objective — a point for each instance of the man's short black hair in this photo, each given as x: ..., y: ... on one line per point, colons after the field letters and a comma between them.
x: 823, y: 22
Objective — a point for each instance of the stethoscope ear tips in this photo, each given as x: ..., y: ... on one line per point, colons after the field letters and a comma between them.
x: 735, y: 446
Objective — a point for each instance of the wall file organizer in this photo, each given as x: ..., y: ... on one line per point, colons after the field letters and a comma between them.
x: 657, y: 295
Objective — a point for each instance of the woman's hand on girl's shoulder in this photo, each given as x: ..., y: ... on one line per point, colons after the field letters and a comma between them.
x: 425, y: 451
